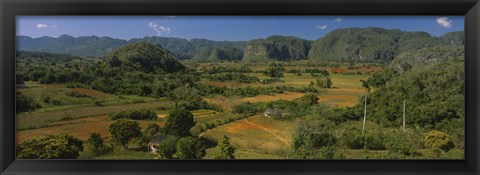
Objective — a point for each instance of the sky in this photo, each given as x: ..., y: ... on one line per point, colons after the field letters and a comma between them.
x: 225, y: 28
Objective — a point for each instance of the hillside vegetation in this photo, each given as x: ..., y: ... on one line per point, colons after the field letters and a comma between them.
x: 143, y: 56
x: 375, y: 44
x: 348, y: 44
x: 282, y: 48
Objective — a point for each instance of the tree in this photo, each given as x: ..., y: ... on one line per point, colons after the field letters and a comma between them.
x: 274, y: 71
x: 309, y: 99
x: 168, y: 148
x: 189, y: 148
x: 366, y: 85
x: 122, y: 131
x: 179, y: 121
x: 224, y: 149
x: 60, y: 146
x: 95, y: 140
x: 149, y: 132
x: 25, y: 104
x: 324, y: 82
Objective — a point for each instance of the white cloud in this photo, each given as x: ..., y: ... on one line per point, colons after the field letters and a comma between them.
x: 159, y: 29
x: 444, y: 22
x: 170, y: 16
x: 40, y: 26
x: 55, y: 26
x: 338, y: 20
x: 322, y: 27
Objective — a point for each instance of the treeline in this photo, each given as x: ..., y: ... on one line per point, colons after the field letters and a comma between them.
x: 216, y: 69
x: 248, y: 91
x: 232, y: 77
x: 45, y: 57
x: 289, y: 109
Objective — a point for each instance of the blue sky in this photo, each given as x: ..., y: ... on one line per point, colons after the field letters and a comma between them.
x: 232, y: 28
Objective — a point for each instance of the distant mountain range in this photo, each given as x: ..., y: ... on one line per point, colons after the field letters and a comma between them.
x: 365, y: 44
x: 94, y: 46
x: 376, y: 43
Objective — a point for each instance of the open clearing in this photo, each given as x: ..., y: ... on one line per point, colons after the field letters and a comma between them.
x: 268, y: 137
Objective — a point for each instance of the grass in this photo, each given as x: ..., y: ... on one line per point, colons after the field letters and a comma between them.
x: 41, y: 119
x: 40, y: 92
x: 72, y: 108
x: 241, y: 153
x: 204, y: 116
x: 267, y: 137
x: 81, y: 128
x: 127, y: 154
x: 346, y: 91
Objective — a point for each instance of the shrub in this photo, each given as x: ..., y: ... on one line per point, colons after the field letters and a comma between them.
x: 25, y: 104
x: 98, y: 103
x: 73, y: 85
x: 247, y: 109
x: 308, y: 152
x: 437, y: 141
x: 324, y: 82
x: 95, y: 145
x: 56, y: 102
x: 138, y: 101
x: 314, y: 140
x: 135, y: 115
x: 356, y: 139
x: 60, y: 146
x: 77, y: 94
x: 330, y: 152
x: 46, y: 99
x: 224, y: 149
x: 95, y: 140
x: 398, y: 147
x: 308, y: 99
x: 322, y: 139
x: 453, y: 154
x: 149, y: 132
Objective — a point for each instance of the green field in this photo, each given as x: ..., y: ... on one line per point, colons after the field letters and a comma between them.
x: 82, y: 111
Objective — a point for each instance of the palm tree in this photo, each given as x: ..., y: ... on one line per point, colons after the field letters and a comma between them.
x: 365, y: 84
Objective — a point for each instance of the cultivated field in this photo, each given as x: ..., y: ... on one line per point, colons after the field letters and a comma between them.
x: 256, y: 137
x: 253, y: 137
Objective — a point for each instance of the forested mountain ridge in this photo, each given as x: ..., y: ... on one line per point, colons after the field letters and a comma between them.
x: 218, y: 53
x: 93, y: 46
x: 145, y: 57
x: 277, y: 47
x: 359, y: 44
x: 375, y: 44
x: 186, y: 49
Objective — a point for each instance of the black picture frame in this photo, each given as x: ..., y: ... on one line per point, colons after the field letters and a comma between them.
x: 10, y: 8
